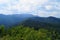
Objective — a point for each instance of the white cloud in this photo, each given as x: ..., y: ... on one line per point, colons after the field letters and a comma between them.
x: 39, y: 7
x: 46, y: 14
x: 22, y: 5
x: 48, y: 7
x: 58, y: 7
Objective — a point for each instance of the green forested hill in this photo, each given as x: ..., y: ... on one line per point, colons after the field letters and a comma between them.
x: 26, y: 33
x: 38, y: 23
x: 33, y: 28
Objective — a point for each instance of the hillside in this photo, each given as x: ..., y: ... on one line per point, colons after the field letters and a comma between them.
x: 41, y: 22
x: 29, y: 27
x: 10, y: 20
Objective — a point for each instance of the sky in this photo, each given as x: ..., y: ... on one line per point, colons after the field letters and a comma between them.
x: 42, y: 8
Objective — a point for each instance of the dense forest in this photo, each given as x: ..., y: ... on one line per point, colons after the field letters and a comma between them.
x: 50, y: 23
x: 26, y: 33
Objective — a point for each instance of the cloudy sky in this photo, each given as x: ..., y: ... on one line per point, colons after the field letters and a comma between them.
x: 42, y: 8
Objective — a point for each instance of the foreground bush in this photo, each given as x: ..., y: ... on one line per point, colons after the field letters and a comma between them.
x: 26, y: 33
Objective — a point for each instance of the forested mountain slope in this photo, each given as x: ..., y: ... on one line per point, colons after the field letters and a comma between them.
x: 41, y: 22
x: 9, y: 20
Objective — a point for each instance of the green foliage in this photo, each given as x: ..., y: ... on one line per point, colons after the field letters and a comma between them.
x: 26, y: 33
x: 2, y: 30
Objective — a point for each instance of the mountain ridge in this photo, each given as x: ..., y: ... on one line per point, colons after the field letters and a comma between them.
x: 9, y: 20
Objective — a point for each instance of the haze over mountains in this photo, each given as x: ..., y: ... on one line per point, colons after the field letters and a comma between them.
x: 9, y: 20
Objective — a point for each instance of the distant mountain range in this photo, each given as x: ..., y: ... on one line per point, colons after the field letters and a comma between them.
x: 29, y: 20
x: 43, y: 22
x: 9, y: 20
x: 50, y: 19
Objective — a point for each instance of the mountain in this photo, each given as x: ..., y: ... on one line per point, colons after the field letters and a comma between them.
x: 30, y: 20
x: 43, y: 22
x: 53, y: 20
x: 9, y: 20
x: 29, y: 27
